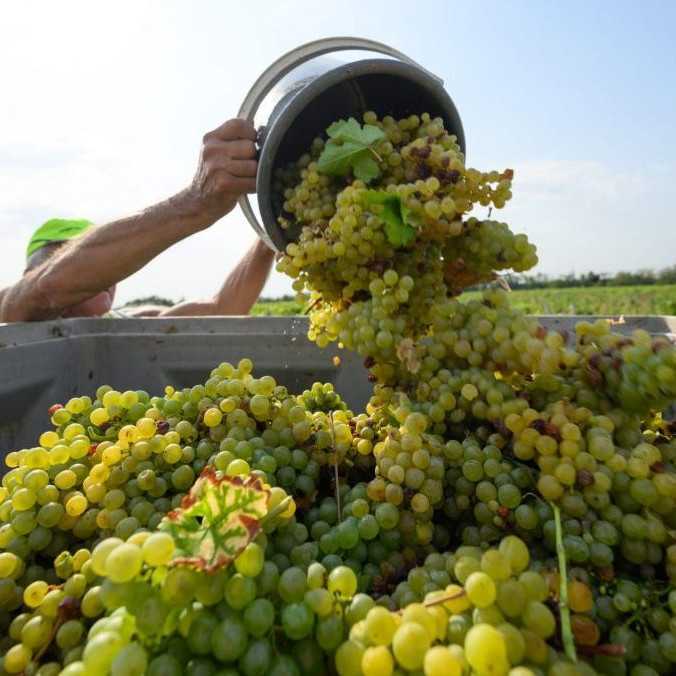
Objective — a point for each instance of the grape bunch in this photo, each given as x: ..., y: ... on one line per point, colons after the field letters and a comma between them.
x: 504, y: 505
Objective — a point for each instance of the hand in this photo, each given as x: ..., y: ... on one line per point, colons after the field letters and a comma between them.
x: 226, y: 170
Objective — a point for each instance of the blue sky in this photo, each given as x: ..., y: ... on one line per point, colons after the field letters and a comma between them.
x: 104, y: 105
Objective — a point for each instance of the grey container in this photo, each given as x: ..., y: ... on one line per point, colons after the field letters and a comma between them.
x: 49, y: 362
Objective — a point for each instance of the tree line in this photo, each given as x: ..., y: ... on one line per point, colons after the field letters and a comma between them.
x: 541, y: 281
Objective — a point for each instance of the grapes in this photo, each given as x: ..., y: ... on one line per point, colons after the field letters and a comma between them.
x: 297, y: 621
x: 229, y: 640
x: 418, y: 535
x: 292, y: 585
x: 539, y: 619
x: 259, y: 617
x: 377, y: 660
x: 342, y: 582
x: 410, y: 644
x: 124, y: 562
x: 480, y: 589
x: 486, y: 650
x: 440, y: 661
x: 250, y: 561
x: 158, y: 549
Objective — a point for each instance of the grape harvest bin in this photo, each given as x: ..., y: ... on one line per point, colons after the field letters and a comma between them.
x: 48, y: 362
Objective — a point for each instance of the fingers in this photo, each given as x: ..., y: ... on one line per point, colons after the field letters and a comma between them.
x: 242, y: 168
x: 227, y: 166
x: 224, y: 182
x: 240, y: 149
x: 232, y: 130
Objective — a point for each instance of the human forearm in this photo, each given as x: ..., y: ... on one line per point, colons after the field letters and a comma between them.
x: 83, y: 270
x: 244, y: 284
x: 113, y: 252
x: 239, y: 291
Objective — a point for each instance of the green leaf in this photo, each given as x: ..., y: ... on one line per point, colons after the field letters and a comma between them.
x: 216, y: 520
x: 350, y: 147
x: 350, y: 130
x: 337, y: 159
x: 398, y: 227
x: 365, y: 168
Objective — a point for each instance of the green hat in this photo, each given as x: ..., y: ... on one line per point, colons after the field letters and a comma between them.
x: 56, y: 230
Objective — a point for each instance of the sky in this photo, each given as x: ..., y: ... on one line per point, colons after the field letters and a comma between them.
x: 103, y: 106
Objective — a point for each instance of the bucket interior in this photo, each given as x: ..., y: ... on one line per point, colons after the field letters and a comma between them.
x: 386, y: 87
x: 386, y: 94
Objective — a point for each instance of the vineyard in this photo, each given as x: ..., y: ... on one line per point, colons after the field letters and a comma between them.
x: 597, y: 300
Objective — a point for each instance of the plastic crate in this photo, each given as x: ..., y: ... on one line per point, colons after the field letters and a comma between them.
x: 49, y: 362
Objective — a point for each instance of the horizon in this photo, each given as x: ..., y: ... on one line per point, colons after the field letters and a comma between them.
x: 107, y: 106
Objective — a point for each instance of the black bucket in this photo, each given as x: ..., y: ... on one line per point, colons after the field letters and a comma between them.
x: 312, y: 99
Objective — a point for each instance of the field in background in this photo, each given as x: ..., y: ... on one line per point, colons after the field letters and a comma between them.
x: 658, y: 299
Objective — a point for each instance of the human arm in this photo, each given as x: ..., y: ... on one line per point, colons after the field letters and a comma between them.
x: 239, y: 291
x: 108, y: 254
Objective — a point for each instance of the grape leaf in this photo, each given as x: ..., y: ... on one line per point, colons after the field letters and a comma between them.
x: 216, y: 520
x: 350, y: 130
x: 365, y: 168
x: 398, y: 227
x: 337, y: 159
x: 350, y: 148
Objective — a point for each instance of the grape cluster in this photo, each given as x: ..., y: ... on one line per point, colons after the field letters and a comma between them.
x: 503, y: 506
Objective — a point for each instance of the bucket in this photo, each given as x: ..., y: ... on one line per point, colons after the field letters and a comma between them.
x: 297, y: 97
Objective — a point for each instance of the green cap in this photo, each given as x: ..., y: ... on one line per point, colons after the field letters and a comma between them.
x: 56, y: 230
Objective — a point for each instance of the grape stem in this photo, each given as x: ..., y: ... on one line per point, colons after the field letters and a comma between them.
x: 335, y: 468
x: 315, y: 302
x: 275, y: 511
x: 441, y: 599
x: 564, y: 610
x: 446, y: 597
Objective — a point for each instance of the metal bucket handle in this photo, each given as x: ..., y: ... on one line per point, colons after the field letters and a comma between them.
x: 284, y: 65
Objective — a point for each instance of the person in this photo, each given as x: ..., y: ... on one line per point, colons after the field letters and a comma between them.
x: 73, y: 268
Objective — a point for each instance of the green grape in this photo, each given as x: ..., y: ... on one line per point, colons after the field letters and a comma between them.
x: 480, y: 589
x: 229, y: 640
x: 158, y: 549
x: 101, y: 650
x: 240, y: 591
x: 283, y: 665
x: 342, y: 582
x: 259, y: 617
x: 124, y: 562
x: 409, y: 645
x: 257, y: 659
x: 539, y: 619
x: 349, y: 658
x: 292, y: 585
x: 250, y: 561
x: 132, y: 660
x: 69, y: 634
x: 297, y: 621
x: 486, y: 649
x: 36, y: 632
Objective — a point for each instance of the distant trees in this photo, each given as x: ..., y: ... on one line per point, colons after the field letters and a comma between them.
x: 150, y: 300
x: 540, y: 281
